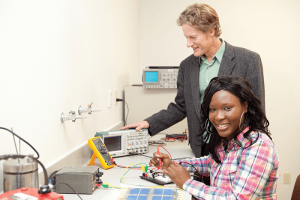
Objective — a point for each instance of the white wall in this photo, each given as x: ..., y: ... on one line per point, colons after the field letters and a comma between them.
x: 270, y: 28
x: 56, y: 55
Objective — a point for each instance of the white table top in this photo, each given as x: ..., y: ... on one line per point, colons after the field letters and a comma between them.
x: 113, y: 175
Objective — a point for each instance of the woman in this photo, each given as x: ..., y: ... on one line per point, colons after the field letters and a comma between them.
x: 242, y: 160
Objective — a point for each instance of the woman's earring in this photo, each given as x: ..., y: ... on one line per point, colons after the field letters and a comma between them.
x: 241, y: 120
x: 206, y: 122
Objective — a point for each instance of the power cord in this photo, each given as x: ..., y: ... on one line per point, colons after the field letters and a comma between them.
x: 125, y: 123
x: 69, y: 187
x: 38, y: 155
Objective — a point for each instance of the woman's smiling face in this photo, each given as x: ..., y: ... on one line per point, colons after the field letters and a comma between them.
x: 225, y: 112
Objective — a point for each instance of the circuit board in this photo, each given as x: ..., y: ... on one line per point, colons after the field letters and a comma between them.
x: 159, y: 180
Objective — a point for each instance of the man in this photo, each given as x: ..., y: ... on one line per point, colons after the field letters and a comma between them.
x: 212, y: 57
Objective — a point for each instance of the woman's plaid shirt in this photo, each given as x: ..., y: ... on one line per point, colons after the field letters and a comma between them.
x: 244, y: 172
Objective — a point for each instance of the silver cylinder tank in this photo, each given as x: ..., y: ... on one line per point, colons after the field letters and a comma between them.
x: 19, y: 173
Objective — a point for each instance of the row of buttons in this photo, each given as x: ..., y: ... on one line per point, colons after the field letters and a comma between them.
x: 136, y: 143
x: 160, y: 86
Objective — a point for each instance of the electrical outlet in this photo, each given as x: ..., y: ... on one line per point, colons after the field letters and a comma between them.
x: 287, y: 178
x: 116, y: 96
x: 109, y: 98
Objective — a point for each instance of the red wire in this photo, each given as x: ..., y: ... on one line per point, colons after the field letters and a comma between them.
x: 160, y: 164
x: 165, y: 150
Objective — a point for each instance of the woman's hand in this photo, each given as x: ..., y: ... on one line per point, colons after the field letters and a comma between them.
x: 165, y: 160
x: 177, y: 174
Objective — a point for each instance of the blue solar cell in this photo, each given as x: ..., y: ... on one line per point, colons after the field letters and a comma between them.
x: 131, y: 198
x: 135, y: 191
x: 156, y: 197
x: 158, y: 191
x: 168, y: 192
x: 167, y: 198
x: 145, y: 191
x: 143, y: 198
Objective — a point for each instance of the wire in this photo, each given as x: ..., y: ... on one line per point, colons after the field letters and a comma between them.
x: 53, y: 173
x: 121, y: 166
x: 166, y: 151
x: 124, y: 173
x: 143, y: 155
x: 195, y: 172
x: 50, y: 177
x: 38, y: 155
x: 107, y: 185
x: 127, y: 113
x: 69, y: 187
x: 160, y: 164
x: 15, y: 142
x: 125, y: 123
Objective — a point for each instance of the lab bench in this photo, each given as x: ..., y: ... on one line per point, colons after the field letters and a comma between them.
x: 113, y: 175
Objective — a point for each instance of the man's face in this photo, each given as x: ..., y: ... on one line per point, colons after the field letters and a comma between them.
x: 200, y: 42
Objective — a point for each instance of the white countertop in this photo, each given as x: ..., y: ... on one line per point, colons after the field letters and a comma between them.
x: 113, y: 175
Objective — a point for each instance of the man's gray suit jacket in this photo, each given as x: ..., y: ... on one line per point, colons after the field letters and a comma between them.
x: 236, y: 61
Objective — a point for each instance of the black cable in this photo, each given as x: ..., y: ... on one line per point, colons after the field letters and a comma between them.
x: 144, y: 155
x: 69, y: 187
x: 38, y: 155
x: 125, y: 123
x: 190, y: 165
x: 53, y: 173
x: 50, y: 177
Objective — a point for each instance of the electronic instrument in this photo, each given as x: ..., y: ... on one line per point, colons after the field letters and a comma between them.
x: 21, y: 172
x: 158, y: 178
x: 160, y: 77
x: 27, y: 165
x: 83, y: 180
x: 125, y: 142
x: 100, y: 151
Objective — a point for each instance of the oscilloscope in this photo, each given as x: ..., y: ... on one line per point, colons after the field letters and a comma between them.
x: 160, y: 77
x: 125, y: 142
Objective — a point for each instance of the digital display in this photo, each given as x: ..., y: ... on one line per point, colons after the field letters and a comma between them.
x: 151, y: 77
x: 113, y: 143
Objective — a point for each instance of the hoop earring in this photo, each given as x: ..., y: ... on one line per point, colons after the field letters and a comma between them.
x: 241, y: 120
x: 206, y: 122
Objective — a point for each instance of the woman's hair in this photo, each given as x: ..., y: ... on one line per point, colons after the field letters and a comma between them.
x: 255, y: 118
x: 201, y: 16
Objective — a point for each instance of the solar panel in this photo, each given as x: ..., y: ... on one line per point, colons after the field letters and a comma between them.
x: 150, y: 194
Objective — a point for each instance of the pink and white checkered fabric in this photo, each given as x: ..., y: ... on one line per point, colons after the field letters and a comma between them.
x: 244, y: 172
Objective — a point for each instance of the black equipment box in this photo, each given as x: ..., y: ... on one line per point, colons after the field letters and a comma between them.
x: 83, y: 180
